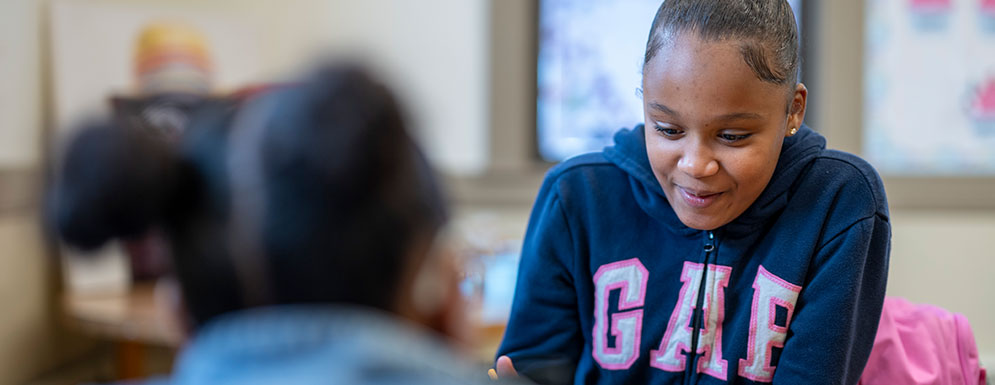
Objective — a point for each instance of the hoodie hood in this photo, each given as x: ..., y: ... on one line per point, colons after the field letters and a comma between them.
x: 629, y: 154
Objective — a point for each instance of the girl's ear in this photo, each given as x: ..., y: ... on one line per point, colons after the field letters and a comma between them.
x: 796, y: 111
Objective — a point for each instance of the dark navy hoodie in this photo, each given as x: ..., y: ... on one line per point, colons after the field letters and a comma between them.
x: 609, y: 278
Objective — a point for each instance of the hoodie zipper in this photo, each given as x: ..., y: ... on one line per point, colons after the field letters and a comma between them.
x: 698, y: 316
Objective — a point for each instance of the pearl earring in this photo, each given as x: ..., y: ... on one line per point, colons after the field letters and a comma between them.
x: 794, y: 130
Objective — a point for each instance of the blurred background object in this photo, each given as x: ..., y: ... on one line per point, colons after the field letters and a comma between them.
x: 173, y: 75
x: 469, y: 73
x: 149, y: 66
x: 171, y: 57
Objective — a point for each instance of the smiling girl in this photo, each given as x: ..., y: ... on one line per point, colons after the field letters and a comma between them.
x: 718, y: 242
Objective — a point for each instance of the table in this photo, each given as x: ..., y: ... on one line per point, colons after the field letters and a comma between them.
x: 141, y: 317
x: 133, y: 320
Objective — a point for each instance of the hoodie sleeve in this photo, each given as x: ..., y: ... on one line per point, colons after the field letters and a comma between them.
x: 833, y: 329
x: 543, y: 337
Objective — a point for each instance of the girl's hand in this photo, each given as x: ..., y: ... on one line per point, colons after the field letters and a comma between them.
x: 505, y: 369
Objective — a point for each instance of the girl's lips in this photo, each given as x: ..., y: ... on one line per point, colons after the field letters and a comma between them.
x: 698, y: 199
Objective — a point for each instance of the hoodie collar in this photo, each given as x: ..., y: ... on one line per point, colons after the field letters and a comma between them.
x: 629, y: 154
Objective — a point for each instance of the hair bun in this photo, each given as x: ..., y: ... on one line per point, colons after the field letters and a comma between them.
x: 112, y: 182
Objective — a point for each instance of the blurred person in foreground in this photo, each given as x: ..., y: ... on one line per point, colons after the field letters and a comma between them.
x: 303, y: 226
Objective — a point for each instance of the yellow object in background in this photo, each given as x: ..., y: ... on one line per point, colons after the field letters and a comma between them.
x: 172, y: 57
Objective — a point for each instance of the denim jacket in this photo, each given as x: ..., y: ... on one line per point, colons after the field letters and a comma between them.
x: 323, y: 344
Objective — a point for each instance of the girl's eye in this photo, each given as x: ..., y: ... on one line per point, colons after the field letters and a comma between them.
x: 668, y: 131
x: 733, y: 138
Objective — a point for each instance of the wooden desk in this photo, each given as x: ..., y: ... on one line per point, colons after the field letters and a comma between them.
x: 133, y: 320
x: 138, y: 319
x: 488, y: 339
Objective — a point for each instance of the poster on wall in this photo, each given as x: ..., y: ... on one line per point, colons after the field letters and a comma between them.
x: 929, y: 87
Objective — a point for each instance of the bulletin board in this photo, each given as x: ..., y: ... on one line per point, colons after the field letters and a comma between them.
x: 929, y: 87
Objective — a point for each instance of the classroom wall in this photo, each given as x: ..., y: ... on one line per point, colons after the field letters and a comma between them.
x: 433, y: 53
x: 30, y: 338
x: 20, y: 107
x: 947, y: 258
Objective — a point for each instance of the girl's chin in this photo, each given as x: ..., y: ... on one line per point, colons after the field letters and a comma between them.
x: 699, y: 222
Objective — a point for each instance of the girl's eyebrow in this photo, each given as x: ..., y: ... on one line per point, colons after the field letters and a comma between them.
x: 722, y: 118
x: 664, y: 109
x: 739, y: 116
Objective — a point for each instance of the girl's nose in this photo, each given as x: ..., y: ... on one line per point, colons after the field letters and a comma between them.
x: 698, y: 162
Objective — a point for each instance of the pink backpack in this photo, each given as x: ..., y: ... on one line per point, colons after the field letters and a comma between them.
x: 922, y: 344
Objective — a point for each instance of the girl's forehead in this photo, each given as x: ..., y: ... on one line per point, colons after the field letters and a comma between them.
x: 692, y: 74
x: 688, y: 55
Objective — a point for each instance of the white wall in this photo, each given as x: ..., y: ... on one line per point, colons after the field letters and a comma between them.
x: 947, y: 258
x: 20, y: 83
x: 433, y: 53
x: 27, y: 323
